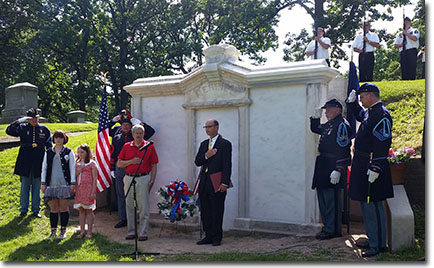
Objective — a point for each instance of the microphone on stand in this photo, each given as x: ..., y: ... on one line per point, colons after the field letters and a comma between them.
x: 146, y: 146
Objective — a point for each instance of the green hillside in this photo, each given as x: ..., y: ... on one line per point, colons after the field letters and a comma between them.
x: 406, y: 102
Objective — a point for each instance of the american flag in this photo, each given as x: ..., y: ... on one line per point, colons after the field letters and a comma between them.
x: 103, y: 147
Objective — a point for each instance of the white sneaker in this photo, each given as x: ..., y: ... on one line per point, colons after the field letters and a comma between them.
x: 53, y: 233
x: 62, y: 234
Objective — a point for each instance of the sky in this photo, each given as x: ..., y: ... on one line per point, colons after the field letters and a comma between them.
x: 295, y: 19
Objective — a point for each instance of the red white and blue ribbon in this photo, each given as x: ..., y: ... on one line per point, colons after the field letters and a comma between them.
x: 177, y: 190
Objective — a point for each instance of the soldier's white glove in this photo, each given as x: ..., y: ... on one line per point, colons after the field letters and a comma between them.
x: 135, y: 121
x: 23, y: 119
x: 372, y: 175
x: 112, y: 173
x: 335, y: 176
x: 317, y: 114
x: 116, y: 118
x: 352, y: 97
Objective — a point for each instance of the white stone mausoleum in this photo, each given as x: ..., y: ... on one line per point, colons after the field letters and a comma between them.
x: 264, y: 112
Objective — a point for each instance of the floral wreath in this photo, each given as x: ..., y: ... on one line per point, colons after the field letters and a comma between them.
x: 177, y: 201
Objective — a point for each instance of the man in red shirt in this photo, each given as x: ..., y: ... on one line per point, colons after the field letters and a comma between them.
x: 129, y: 158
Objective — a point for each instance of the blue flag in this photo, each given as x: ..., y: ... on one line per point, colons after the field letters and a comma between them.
x: 353, y: 83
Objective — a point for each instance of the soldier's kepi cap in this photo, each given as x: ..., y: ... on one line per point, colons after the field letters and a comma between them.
x: 368, y: 87
x: 332, y: 103
x: 32, y: 112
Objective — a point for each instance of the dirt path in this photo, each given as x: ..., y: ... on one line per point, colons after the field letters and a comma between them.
x: 170, y: 241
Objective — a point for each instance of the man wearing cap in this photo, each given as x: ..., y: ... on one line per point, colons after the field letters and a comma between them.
x: 365, y: 44
x: 319, y: 47
x: 370, y: 180
x: 331, y: 166
x: 408, y: 43
x: 121, y: 135
x: 34, y: 140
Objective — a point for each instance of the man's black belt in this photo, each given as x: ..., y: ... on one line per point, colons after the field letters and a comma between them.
x: 362, y: 154
x: 29, y: 145
x: 137, y: 175
x: 328, y: 155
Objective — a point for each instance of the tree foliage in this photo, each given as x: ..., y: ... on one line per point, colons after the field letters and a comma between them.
x: 64, y: 46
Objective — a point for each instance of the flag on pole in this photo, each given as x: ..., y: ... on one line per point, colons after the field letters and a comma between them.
x: 103, y: 147
x: 353, y: 83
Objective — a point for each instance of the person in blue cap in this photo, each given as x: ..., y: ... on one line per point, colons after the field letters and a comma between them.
x: 34, y: 140
x: 331, y: 166
x: 370, y: 179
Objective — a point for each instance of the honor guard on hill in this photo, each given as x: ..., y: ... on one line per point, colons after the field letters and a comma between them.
x: 407, y: 42
x: 370, y: 180
x: 365, y: 44
x: 331, y: 166
x: 34, y: 140
x: 319, y: 47
x: 121, y: 135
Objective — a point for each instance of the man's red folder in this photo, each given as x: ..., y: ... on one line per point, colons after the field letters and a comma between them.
x: 216, y: 179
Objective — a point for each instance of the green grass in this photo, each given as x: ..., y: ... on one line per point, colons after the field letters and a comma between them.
x: 23, y: 240
x: 406, y: 102
x: 67, y: 127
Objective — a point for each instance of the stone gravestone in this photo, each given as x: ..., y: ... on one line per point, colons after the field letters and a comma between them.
x: 76, y: 116
x: 18, y: 99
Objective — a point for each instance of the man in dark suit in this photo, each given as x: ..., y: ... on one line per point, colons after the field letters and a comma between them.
x: 214, y: 156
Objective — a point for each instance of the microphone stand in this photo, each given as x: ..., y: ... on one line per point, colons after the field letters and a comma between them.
x: 133, y: 184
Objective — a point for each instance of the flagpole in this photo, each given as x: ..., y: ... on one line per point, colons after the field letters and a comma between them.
x: 105, y: 78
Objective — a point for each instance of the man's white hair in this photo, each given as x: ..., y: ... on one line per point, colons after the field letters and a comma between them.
x: 136, y: 127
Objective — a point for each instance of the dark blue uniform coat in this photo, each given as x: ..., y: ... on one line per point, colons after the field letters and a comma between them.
x: 372, y: 145
x: 28, y: 156
x: 334, y: 151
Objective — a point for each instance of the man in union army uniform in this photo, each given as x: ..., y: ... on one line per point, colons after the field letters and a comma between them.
x: 331, y: 166
x: 370, y: 180
x: 34, y: 140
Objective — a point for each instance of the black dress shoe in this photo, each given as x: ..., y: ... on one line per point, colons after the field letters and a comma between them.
x: 326, y: 236
x: 121, y: 224
x: 22, y: 214
x: 216, y: 243
x: 204, y: 241
x: 362, y: 244
x: 370, y: 252
x: 318, y: 235
x: 36, y: 215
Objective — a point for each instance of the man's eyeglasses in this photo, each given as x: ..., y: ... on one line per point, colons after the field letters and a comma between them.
x: 209, y: 126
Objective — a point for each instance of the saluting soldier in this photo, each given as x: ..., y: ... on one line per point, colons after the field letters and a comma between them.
x: 370, y: 180
x: 331, y: 166
x: 34, y: 140
x: 408, y: 43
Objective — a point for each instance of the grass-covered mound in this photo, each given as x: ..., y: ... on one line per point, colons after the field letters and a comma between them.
x: 406, y: 102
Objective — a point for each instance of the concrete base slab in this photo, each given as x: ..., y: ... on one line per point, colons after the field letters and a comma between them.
x: 261, y: 226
